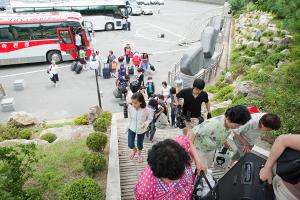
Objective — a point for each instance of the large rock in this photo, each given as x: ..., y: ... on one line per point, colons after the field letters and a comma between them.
x: 224, y: 104
x: 94, y: 112
x: 263, y: 20
x: 247, y: 88
x: 228, y: 77
x: 285, y: 51
x: 253, y: 44
x: 23, y: 119
x: 287, y: 40
x: 277, y: 40
x: 264, y: 40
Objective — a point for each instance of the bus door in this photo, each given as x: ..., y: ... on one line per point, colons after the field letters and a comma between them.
x: 66, y: 41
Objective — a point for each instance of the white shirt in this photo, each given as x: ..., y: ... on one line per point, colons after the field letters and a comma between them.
x: 78, y: 40
x: 94, y: 64
x: 52, y: 69
x: 165, y: 91
x: 251, y: 131
x: 139, y: 119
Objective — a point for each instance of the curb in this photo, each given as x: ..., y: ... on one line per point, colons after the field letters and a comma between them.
x: 113, y: 187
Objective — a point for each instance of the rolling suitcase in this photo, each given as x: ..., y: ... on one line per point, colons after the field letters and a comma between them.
x: 242, y: 181
x: 106, y: 71
x: 78, y: 68
x: 73, y: 66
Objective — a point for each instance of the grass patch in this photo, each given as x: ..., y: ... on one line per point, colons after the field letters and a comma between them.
x: 58, y: 125
x: 61, y: 163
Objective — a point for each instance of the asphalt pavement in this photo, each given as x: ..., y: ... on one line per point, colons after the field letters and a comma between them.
x: 76, y: 93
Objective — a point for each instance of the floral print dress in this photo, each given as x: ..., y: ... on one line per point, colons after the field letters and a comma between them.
x: 150, y: 187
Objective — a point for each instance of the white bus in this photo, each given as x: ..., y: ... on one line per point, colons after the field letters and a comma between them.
x: 104, y: 15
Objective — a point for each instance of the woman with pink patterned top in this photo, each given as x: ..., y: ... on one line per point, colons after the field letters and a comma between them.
x: 169, y: 173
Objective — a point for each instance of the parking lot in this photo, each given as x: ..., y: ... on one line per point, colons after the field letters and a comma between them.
x: 76, y: 93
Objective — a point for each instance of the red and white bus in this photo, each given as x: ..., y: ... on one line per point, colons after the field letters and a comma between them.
x: 40, y: 37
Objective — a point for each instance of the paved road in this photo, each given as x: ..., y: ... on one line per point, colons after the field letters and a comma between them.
x: 76, y: 93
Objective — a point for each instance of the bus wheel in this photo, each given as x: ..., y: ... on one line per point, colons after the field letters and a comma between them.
x: 109, y: 26
x: 54, y: 55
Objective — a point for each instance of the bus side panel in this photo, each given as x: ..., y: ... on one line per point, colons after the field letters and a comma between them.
x: 11, y: 53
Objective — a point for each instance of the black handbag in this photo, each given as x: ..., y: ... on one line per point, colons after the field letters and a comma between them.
x: 288, y: 166
x: 198, y: 179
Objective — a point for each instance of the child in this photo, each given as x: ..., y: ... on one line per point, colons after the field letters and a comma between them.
x: 136, y: 60
x: 140, y: 77
x: 161, y: 115
x: 139, y: 118
x: 173, y: 106
x: 114, y: 66
x: 150, y: 87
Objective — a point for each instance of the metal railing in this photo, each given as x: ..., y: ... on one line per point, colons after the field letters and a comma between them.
x: 204, y: 73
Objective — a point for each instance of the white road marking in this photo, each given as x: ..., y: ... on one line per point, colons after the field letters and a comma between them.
x: 31, y: 72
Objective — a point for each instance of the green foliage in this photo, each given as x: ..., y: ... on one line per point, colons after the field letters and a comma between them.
x: 274, y: 58
x: 8, y: 131
x: 96, y: 141
x: 218, y: 112
x: 50, y: 137
x: 257, y: 77
x: 224, y: 94
x: 211, y: 88
x: 93, y: 163
x: 236, y: 5
x: 82, y: 120
x: 83, y: 188
x: 57, y: 125
x: 106, y: 115
x: 60, y: 162
x: 25, y: 134
x: 101, y: 124
x: 247, y: 101
x: 16, y: 167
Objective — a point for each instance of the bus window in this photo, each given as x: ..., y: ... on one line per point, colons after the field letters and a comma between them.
x: 5, y: 34
x: 65, y: 36
x: 43, y: 9
x: 80, y: 8
x: 28, y: 32
x: 24, y: 9
x: 62, y: 8
x: 49, y: 29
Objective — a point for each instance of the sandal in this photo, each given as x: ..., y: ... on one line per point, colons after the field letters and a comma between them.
x: 132, y: 154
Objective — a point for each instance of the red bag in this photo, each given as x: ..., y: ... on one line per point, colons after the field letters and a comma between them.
x: 253, y: 109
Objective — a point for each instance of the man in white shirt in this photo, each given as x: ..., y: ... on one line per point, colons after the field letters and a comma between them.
x: 78, y: 42
x: 245, y: 137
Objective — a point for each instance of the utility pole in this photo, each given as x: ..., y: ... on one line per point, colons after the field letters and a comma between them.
x: 98, y: 91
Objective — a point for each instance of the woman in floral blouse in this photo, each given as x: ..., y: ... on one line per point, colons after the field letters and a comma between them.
x: 169, y: 173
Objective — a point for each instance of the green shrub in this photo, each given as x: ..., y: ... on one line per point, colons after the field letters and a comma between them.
x: 96, y: 141
x: 83, y: 188
x: 224, y: 94
x: 211, y: 88
x: 50, y: 137
x: 82, y: 120
x: 25, y: 134
x: 236, y: 5
x: 9, y: 131
x: 93, y: 163
x: 16, y: 169
x: 218, y: 112
x: 257, y: 77
x: 106, y: 115
x: 274, y: 58
x: 101, y: 124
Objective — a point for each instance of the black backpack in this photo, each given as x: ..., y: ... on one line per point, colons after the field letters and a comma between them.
x: 288, y: 166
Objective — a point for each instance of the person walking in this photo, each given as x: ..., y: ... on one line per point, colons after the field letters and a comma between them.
x: 140, y: 116
x: 165, y: 90
x: 150, y: 87
x: 82, y: 58
x: 124, y: 24
x: 140, y: 77
x: 78, y: 42
x: 99, y: 59
x: 53, y: 73
x: 128, y: 53
x: 94, y: 64
x: 110, y: 58
x: 173, y: 106
x: 128, y: 23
